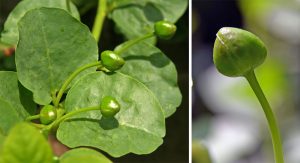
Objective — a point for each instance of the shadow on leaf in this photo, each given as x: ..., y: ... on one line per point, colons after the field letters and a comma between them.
x: 109, y: 123
x: 156, y: 59
x: 26, y: 99
x: 152, y: 13
x: 104, y: 123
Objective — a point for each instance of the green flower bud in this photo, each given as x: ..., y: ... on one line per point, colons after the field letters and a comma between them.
x: 236, y: 51
x: 48, y: 114
x: 111, y: 60
x: 164, y: 29
x: 109, y: 106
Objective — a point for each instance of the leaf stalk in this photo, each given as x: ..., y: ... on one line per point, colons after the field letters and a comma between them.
x: 125, y: 46
x: 69, y: 80
x: 273, y: 127
x: 70, y: 114
x: 99, y: 20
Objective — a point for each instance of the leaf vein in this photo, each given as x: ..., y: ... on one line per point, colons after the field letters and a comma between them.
x: 50, y: 68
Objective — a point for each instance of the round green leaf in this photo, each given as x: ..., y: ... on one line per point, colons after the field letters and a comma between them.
x: 50, y: 49
x: 83, y: 155
x: 26, y: 144
x: 150, y: 66
x: 137, y: 128
x: 10, y: 33
x: 136, y: 18
x: 10, y: 116
x: 15, y: 101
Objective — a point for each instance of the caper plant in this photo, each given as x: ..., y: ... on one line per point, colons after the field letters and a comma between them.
x: 237, y: 53
x: 115, y: 101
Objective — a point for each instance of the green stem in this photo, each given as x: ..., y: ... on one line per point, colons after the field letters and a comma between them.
x: 68, y: 6
x: 30, y: 118
x: 53, y: 95
x: 40, y: 126
x: 70, y: 114
x: 273, y: 127
x: 71, y: 77
x: 130, y: 43
x: 98, y: 23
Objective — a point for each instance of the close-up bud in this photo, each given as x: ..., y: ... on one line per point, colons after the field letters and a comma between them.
x: 164, y: 29
x: 237, y: 51
x: 111, y: 60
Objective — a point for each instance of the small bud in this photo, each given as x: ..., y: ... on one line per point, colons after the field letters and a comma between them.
x: 236, y: 51
x: 164, y: 29
x: 111, y: 60
x: 48, y: 114
x: 109, y: 106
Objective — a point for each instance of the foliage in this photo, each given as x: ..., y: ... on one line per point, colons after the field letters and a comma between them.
x: 57, y: 65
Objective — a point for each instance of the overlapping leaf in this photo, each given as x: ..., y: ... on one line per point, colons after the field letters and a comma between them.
x: 137, y: 128
x: 84, y: 5
x: 135, y: 18
x: 10, y: 34
x: 15, y: 101
x: 50, y: 48
x: 26, y: 144
x: 150, y: 66
x: 83, y: 155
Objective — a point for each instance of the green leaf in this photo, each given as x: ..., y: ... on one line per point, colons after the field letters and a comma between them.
x: 59, y: 46
x: 10, y: 34
x: 83, y: 155
x: 81, y: 3
x: 15, y: 101
x: 137, y: 128
x: 136, y: 18
x: 85, y: 5
x: 11, y: 116
x: 150, y: 66
x: 2, y: 138
x: 25, y: 144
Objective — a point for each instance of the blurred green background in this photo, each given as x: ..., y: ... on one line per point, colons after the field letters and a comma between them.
x: 228, y: 122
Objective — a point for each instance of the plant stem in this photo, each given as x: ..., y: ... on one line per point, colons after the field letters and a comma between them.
x: 69, y: 80
x: 130, y: 43
x: 70, y: 114
x: 32, y: 117
x: 68, y: 6
x: 53, y: 95
x: 40, y: 126
x: 98, y: 23
x: 273, y: 127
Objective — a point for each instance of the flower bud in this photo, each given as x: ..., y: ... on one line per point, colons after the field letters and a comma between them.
x: 111, y: 60
x: 109, y: 106
x: 236, y: 51
x: 164, y: 29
